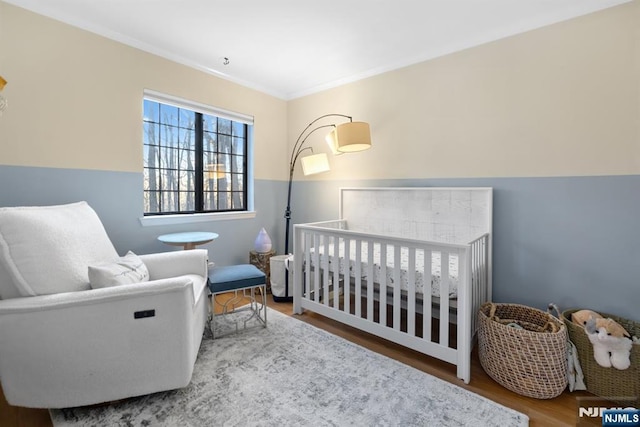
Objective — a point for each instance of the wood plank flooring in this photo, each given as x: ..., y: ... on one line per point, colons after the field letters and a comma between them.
x: 561, y: 411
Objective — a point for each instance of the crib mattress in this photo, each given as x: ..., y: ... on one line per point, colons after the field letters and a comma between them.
x: 390, y: 270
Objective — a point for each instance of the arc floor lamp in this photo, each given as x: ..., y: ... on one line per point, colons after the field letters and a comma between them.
x: 346, y: 137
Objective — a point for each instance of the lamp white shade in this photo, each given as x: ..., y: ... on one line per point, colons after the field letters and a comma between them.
x: 332, y: 142
x: 315, y: 163
x: 215, y: 170
x: 352, y: 136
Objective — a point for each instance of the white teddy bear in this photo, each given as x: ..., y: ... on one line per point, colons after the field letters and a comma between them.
x: 611, y: 342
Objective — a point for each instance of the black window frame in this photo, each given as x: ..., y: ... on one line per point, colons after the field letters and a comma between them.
x: 225, y: 192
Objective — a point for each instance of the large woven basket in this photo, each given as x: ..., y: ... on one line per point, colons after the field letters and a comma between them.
x: 530, y: 361
x: 620, y: 386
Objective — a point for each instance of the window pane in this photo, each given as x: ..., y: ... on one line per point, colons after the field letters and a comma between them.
x: 188, y: 139
x: 224, y: 184
x: 149, y: 156
x: 225, y: 159
x: 224, y: 200
x: 147, y: 208
x: 224, y: 144
x: 151, y: 179
x: 209, y: 183
x: 237, y: 182
x: 169, y: 136
x: 238, y: 129
x: 168, y: 115
x: 207, y: 200
x: 151, y: 111
x: 238, y: 164
x: 237, y: 200
x: 210, y: 123
x: 187, y: 119
x: 211, y: 201
x: 187, y: 203
x: 209, y: 141
x: 187, y: 160
x: 169, y: 158
x: 169, y: 179
x: 224, y: 126
x: 209, y: 160
x: 238, y: 146
x: 187, y: 182
x: 150, y: 133
x: 169, y: 201
x: 151, y: 203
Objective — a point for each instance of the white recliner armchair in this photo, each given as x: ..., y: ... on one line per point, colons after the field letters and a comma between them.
x: 67, y: 341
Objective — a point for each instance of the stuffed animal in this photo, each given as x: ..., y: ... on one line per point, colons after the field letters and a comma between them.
x: 580, y: 317
x: 611, y: 342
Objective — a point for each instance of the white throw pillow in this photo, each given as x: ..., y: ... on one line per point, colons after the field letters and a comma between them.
x: 47, y: 249
x: 125, y: 270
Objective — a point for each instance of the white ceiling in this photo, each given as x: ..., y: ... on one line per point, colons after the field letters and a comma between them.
x: 290, y: 48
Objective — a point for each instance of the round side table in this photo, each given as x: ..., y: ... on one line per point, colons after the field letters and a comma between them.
x: 189, y: 239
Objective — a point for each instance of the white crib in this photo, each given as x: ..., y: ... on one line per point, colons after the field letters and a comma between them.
x: 384, y: 266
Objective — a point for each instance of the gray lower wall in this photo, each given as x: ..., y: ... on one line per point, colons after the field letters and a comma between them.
x: 572, y: 241
x: 117, y: 198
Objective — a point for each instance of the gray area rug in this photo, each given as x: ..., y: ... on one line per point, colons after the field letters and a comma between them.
x: 294, y: 374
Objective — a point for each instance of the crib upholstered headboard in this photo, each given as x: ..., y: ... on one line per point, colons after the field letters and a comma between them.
x: 443, y: 214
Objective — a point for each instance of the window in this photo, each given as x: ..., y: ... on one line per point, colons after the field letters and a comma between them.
x: 195, y: 157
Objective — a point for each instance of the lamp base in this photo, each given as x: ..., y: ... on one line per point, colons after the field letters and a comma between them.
x: 282, y: 299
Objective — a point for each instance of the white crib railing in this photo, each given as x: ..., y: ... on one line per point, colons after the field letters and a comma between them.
x: 341, y: 286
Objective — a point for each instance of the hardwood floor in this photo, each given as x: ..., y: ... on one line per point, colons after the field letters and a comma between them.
x: 561, y: 411
x: 11, y: 416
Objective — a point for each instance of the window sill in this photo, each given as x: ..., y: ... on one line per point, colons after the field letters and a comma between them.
x: 148, y: 221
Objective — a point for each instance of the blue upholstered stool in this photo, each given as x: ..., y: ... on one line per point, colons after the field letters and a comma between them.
x: 244, y: 280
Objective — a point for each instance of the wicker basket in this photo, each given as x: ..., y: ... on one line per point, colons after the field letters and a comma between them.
x: 530, y: 361
x: 618, y: 386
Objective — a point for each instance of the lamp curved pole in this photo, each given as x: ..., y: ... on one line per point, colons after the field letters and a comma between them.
x: 299, y: 144
x: 298, y: 148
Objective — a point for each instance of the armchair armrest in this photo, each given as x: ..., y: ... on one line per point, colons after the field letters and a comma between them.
x: 96, y: 296
x: 176, y: 263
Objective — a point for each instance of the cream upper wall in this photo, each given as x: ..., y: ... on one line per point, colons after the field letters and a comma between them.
x: 75, y: 99
x: 563, y: 100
